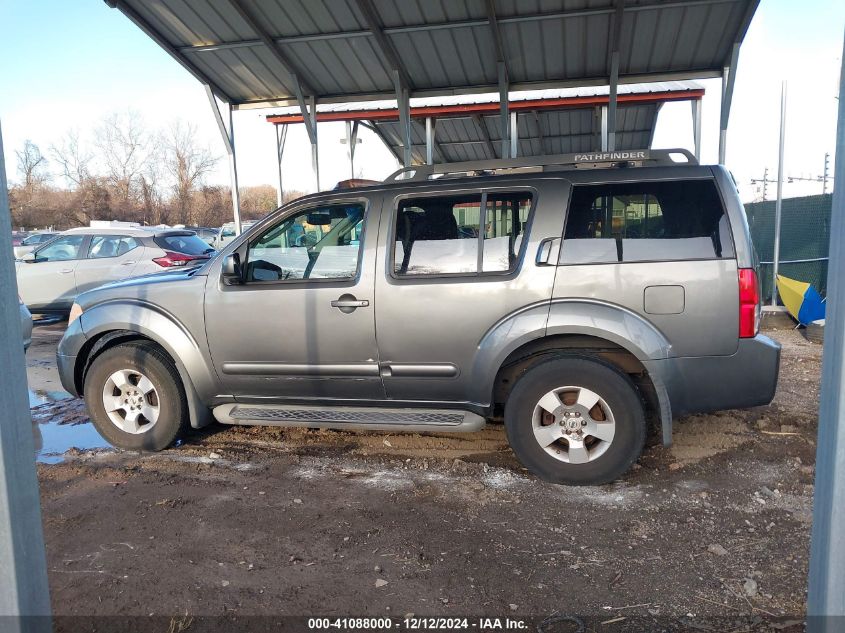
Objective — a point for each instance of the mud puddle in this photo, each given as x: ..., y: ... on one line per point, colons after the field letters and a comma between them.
x: 60, y: 423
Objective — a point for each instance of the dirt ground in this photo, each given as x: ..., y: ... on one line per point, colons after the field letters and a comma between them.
x: 711, y: 534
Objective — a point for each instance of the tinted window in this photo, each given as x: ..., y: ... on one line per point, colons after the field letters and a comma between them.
x: 321, y: 243
x: 442, y: 235
x: 189, y: 244
x: 62, y: 248
x: 111, y: 246
x: 651, y: 221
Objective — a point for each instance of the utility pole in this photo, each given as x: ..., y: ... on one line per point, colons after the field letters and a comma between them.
x: 779, y: 203
x: 826, y: 168
x: 23, y: 567
x: 765, y: 180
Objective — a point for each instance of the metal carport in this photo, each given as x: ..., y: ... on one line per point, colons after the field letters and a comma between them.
x: 465, y: 127
x: 252, y: 53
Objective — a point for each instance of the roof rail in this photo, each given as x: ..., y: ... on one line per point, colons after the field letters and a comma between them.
x: 554, y: 162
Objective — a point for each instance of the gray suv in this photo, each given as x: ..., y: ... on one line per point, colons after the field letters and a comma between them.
x: 578, y: 298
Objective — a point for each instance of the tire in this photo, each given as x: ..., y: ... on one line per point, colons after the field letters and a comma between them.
x: 594, y: 460
x: 160, y: 415
x: 815, y: 332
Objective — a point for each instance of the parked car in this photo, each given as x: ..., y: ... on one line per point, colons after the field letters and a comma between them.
x: 589, y: 299
x: 32, y: 240
x: 18, y: 237
x: 26, y: 325
x: 205, y: 234
x: 227, y: 232
x: 50, y: 277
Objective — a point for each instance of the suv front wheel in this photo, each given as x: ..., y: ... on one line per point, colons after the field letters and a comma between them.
x: 135, y: 397
x: 575, y: 420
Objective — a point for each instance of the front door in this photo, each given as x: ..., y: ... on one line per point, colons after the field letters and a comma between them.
x: 48, y: 282
x: 301, y: 326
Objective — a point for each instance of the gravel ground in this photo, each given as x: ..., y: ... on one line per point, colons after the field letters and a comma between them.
x: 711, y: 534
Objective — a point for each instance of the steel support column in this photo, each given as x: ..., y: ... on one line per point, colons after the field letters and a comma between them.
x: 514, y: 135
x: 404, y: 105
x: 228, y: 135
x: 826, y: 595
x: 604, y: 128
x: 728, y: 80
x: 309, y: 117
x: 351, y: 144
x: 281, y: 138
x: 430, y: 131
x: 503, y: 108
x: 23, y: 568
x: 612, y: 101
x: 696, y: 127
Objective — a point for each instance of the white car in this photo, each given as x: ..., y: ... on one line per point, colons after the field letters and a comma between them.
x: 50, y: 277
x: 227, y: 232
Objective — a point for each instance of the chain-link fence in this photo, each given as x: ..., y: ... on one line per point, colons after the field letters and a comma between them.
x: 804, y: 239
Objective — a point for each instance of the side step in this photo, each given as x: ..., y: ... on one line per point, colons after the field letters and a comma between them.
x: 367, y: 418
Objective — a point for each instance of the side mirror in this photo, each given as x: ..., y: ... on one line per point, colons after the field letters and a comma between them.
x: 231, y: 271
x: 28, y: 257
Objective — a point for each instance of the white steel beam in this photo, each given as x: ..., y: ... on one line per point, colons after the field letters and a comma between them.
x: 228, y: 135
x: 728, y: 80
x: 696, y: 127
x: 826, y: 595
x: 503, y: 107
x: 514, y: 135
x: 23, y: 568
x: 429, y: 140
x: 404, y: 105
x: 281, y: 138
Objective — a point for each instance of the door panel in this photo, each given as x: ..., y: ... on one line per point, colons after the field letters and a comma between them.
x: 429, y: 327
x: 49, y: 281
x: 280, y: 336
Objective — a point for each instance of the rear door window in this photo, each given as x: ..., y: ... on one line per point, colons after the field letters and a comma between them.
x: 190, y: 244
x: 103, y: 246
x: 444, y: 235
x: 646, y: 221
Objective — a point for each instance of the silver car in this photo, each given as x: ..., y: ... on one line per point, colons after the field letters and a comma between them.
x: 576, y: 298
x: 31, y: 242
x: 50, y: 277
x: 26, y: 325
x: 227, y: 232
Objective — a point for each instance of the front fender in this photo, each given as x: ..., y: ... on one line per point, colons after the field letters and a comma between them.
x: 190, y: 356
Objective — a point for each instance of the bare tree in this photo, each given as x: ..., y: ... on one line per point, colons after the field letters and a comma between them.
x: 32, y: 165
x: 187, y: 164
x: 123, y: 142
x: 74, y: 160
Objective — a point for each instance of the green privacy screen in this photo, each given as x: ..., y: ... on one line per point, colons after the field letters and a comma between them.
x: 804, y: 234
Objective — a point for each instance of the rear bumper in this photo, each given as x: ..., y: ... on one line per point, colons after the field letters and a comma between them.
x: 702, y: 384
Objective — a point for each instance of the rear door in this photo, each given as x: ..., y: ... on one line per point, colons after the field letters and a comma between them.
x: 109, y: 258
x: 453, y: 263
x: 661, y: 248
x: 48, y: 281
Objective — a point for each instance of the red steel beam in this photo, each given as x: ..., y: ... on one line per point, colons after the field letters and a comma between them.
x: 392, y: 114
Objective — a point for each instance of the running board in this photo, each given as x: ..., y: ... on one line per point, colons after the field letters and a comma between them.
x: 367, y: 418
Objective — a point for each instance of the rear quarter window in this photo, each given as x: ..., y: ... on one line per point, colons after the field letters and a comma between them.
x: 646, y: 221
x: 187, y: 244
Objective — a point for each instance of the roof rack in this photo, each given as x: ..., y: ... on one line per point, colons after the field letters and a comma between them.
x: 555, y: 162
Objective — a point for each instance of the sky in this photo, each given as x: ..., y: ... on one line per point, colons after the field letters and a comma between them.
x: 67, y: 64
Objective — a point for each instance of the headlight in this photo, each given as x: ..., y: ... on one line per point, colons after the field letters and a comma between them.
x: 75, y: 313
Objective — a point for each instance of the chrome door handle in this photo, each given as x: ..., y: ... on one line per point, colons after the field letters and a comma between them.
x: 548, y: 252
x: 350, y: 303
x: 128, y: 263
x: 65, y: 271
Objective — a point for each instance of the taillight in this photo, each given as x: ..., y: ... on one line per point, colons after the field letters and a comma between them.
x: 749, y: 303
x: 172, y: 259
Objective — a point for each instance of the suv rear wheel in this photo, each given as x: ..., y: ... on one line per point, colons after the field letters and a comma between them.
x: 575, y: 420
x: 135, y: 397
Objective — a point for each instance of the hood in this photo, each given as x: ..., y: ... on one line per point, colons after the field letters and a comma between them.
x: 139, y: 287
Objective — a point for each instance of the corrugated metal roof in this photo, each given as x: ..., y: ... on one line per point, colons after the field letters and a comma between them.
x: 461, y: 138
x: 253, y: 52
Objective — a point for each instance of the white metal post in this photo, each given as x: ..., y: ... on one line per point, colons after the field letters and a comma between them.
x: 23, y: 568
x: 779, y: 203
x: 728, y: 81
x: 514, y: 135
x: 696, y: 127
x: 229, y: 141
x: 503, y: 107
x: 604, y: 128
x: 611, y: 104
x: 281, y: 138
x: 429, y: 140
x: 826, y: 596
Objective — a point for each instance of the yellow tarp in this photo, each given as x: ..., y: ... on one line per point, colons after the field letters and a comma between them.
x: 792, y: 293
